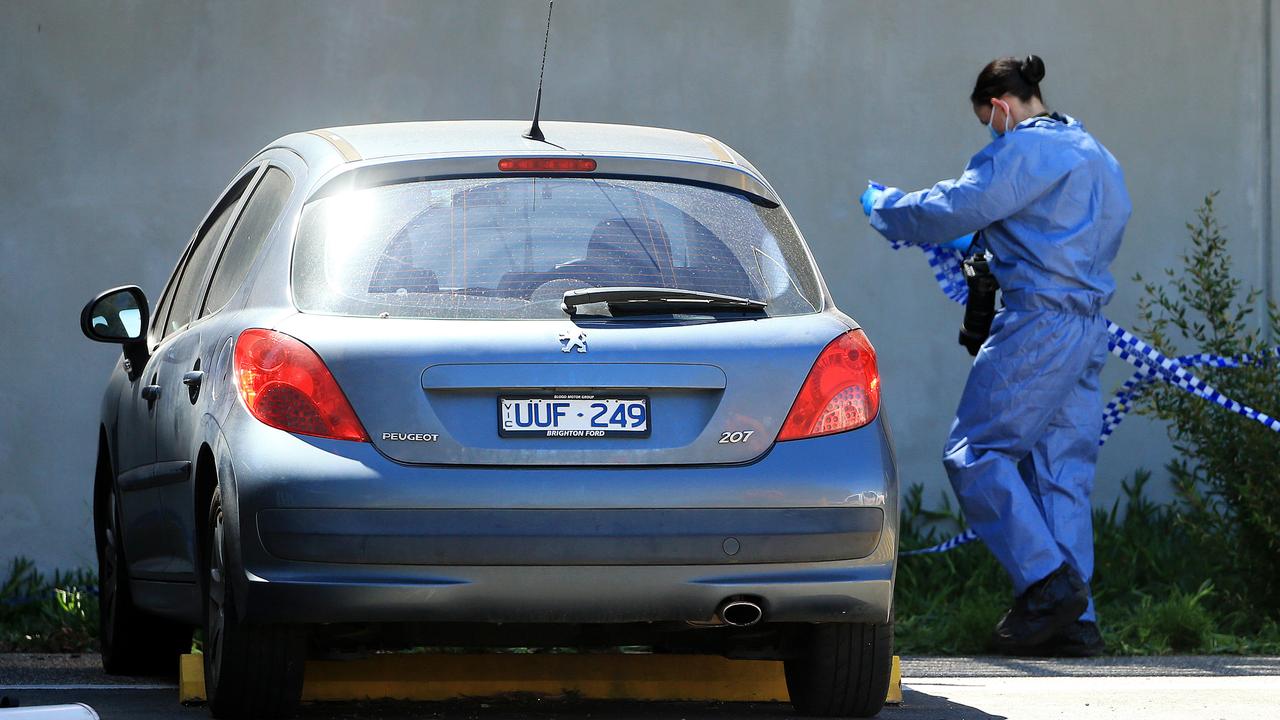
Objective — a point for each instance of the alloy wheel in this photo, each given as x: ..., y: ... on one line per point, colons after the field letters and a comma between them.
x: 108, y: 593
x: 216, y: 621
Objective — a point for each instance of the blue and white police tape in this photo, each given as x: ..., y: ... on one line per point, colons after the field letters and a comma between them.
x: 1150, y: 362
x: 963, y: 538
x: 947, y: 267
x: 1151, y: 366
x: 1134, y: 387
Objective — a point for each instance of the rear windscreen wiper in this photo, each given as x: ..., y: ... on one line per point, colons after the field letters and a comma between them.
x: 656, y: 299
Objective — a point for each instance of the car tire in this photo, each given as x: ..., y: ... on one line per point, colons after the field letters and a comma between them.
x: 842, y: 669
x: 132, y: 642
x: 250, y: 671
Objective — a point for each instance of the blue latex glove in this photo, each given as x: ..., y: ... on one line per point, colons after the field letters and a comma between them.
x: 868, y: 199
x: 960, y: 243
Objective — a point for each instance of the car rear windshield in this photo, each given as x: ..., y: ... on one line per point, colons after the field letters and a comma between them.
x: 509, y: 248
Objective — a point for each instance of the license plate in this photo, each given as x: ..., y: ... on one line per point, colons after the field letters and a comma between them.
x: 573, y: 416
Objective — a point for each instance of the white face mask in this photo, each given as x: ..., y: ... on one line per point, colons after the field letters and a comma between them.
x: 1007, y: 117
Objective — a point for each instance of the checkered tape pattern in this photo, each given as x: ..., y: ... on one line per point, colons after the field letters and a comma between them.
x: 1135, y: 387
x: 963, y: 538
x: 946, y: 264
x: 1151, y: 364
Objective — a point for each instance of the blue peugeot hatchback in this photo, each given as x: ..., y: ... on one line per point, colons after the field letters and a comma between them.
x: 439, y: 384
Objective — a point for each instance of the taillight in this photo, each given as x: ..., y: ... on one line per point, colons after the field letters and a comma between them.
x: 841, y: 393
x: 287, y: 386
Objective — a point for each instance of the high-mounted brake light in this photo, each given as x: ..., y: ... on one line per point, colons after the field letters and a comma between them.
x: 551, y: 164
x: 842, y: 391
x: 287, y: 386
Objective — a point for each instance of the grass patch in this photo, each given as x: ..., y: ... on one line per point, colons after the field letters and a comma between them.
x: 48, y: 614
x: 1157, y: 587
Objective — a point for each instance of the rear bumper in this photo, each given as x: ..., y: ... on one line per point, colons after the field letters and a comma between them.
x: 570, y: 537
x: 332, y: 531
x: 824, y: 592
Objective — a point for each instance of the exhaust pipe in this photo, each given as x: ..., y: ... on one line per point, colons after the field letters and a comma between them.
x: 740, y: 612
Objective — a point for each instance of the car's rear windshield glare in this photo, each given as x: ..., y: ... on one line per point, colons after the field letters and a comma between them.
x: 509, y: 248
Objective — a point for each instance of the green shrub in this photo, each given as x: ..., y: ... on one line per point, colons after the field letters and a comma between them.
x: 39, y: 614
x: 1228, y: 475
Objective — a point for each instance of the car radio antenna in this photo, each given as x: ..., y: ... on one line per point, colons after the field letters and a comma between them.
x: 535, y: 132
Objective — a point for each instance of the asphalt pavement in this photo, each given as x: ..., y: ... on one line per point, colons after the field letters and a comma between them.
x: 1168, y: 688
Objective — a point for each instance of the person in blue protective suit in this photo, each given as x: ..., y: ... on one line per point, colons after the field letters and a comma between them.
x: 1048, y: 204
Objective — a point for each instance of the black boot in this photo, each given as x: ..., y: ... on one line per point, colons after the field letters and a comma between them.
x: 1043, y: 611
x: 1079, y: 639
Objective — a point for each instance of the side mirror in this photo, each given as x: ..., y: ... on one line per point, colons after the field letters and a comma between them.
x: 119, y: 315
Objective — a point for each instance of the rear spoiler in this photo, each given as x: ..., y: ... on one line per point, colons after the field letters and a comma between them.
x: 373, y: 173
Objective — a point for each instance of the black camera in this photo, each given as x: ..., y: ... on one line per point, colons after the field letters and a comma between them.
x: 980, y: 309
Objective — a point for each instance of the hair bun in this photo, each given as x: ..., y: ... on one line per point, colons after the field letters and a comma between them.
x: 1032, y: 69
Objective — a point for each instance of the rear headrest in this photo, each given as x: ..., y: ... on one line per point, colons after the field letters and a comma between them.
x: 628, y: 239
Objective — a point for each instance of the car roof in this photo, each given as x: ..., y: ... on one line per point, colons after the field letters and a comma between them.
x: 463, y: 137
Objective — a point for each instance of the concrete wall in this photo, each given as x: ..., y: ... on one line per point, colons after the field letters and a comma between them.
x: 121, y: 121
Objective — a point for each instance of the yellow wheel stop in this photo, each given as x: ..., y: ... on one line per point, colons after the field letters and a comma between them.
x: 602, y: 677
